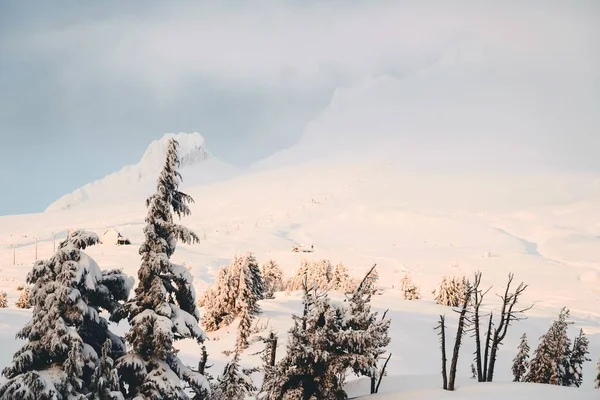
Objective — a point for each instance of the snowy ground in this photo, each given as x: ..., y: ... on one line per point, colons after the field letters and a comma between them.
x: 542, y: 227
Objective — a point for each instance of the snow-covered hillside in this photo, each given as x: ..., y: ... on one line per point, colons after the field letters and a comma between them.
x: 360, y: 211
x: 137, y: 181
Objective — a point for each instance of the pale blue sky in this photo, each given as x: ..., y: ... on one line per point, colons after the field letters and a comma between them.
x: 86, y: 85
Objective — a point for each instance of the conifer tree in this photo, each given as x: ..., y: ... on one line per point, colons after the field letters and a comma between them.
x: 66, y: 331
x: 550, y: 361
x: 578, y: 356
x: 326, y: 341
x: 250, y: 291
x: 341, y: 280
x: 597, y: 379
x: 520, y: 362
x: 235, y: 383
x: 272, y: 278
x: 163, y: 309
x: 105, y: 381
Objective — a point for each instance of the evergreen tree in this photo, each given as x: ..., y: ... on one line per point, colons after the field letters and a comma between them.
x: 324, y: 343
x: 452, y: 292
x: 105, y: 381
x: 66, y: 331
x: 163, y: 309
x: 367, y: 335
x: 341, y: 280
x: 551, y: 360
x: 249, y: 292
x: 578, y: 356
x: 520, y: 362
x: 235, y: 293
x: 597, y: 379
x: 235, y: 383
x: 272, y: 277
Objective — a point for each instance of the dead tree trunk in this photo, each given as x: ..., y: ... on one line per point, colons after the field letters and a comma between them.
x: 442, y: 334
x: 460, y: 331
x: 478, y: 296
x: 382, y: 373
x: 202, y: 362
x: 488, y: 337
x: 507, y: 315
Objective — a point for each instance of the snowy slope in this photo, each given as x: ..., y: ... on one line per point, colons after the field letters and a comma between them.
x: 137, y: 181
x: 542, y: 227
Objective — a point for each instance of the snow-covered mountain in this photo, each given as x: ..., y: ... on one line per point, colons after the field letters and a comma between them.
x: 137, y: 181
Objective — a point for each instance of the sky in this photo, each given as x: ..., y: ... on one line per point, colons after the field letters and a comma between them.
x: 85, y: 86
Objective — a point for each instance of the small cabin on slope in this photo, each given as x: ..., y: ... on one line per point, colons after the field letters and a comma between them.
x: 114, y: 237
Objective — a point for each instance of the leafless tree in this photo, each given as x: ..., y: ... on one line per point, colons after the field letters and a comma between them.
x: 463, y: 322
x: 442, y: 328
x: 495, y: 332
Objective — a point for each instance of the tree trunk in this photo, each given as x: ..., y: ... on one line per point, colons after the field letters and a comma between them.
x: 459, y: 334
x: 443, y: 346
x: 487, y: 348
x: 382, y: 373
x: 273, y: 339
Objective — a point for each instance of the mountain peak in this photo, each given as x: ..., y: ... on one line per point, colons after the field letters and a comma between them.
x: 192, y: 150
x: 137, y: 181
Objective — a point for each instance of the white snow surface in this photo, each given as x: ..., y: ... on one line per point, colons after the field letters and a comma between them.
x: 543, y: 227
x: 137, y: 181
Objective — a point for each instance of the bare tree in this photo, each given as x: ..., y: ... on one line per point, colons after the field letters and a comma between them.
x: 494, y: 336
x: 442, y: 334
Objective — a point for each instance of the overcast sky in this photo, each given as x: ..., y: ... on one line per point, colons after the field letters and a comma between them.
x: 86, y: 85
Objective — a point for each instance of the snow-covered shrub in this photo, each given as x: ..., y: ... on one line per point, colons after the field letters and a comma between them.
x: 23, y: 301
x: 409, y: 290
x: 451, y: 292
x: 20, y: 287
x: 234, y: 383
x: 272, y: 278
x: 3, y: 300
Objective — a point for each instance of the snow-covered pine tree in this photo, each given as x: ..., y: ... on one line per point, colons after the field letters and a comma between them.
x: 66, y: 331
x: 272, y: 278
x: 365, y: 335
x: 248, y: 294
x: 409, y: 290
x: 105, y: 380
x: 578, y: 356
x: 310, y: 369
x: 231, y: 290
x: 24, y: 301
x: 316, y: 274
x: 520, y: 362
x: 451, y: 291
x: 550, y: 360
x: 235, y: 383
x: 3, y: 300
x: 341, y: 280
x: 163, y: 309
x: 219, y: 300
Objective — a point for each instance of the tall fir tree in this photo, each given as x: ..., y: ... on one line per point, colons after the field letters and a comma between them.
x: 249, y: 293
x: 163, y: 309
x: 66, y: 332
x: 520, y: 362
x: 578, y: 356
